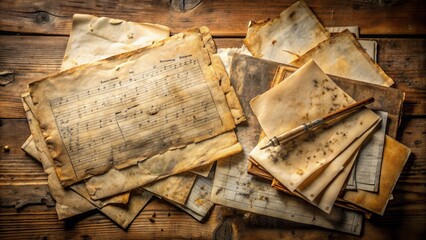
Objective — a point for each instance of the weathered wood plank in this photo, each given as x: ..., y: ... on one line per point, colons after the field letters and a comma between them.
x: 16, y: 167
x: 34, y: 57
x: 224, y: 18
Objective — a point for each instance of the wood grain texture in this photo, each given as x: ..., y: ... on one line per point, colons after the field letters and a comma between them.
x: 224, y: 18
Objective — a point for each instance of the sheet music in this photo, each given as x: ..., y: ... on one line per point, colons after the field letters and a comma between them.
x: 131, y: 109
x: 120, y: 111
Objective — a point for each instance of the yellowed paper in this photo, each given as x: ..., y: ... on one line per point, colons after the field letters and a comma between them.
x: 30, y: 147
x: 394, y: 158
x: 198, y: 204
x: 88, y: 43
x: 68, y: 203
x: 95, y: 38
x: 175, y: 188
x: 163, y: 165
x: 314, y: 187
x: 370, y: 47
x: 324, y: 190
x: 203, y: 170
x: 286, y: 37
x: 306, y: 95
x: 234, y: 187
x: 170, y: 98
x: 343, y: 56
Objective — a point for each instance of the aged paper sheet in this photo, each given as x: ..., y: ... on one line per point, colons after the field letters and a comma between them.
x: 198, y: 204
x: 175, y: 188
x: 332, y: 183
x: 394, y: 158
x: 95, y: 38
x: 304, y: 96
x: 179, y: 159
x: 173, y: 85
x: 233, y: 187
x: 286, y: 37
x: 343, y: 56
x: 68, y: 202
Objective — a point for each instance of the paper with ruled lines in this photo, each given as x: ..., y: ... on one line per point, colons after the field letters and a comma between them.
x: 121, y: 111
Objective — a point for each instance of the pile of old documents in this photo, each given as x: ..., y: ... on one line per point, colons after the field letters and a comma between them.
x: 149, y: 120
x: 135, y: 113
x: 299, y: 72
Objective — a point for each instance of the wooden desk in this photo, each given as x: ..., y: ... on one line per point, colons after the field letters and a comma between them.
x: 33, y: 38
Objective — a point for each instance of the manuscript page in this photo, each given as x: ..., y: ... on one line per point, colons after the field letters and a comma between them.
x: 68, y: 202
x: 170, y: 98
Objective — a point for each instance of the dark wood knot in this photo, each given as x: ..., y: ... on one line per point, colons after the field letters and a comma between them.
x: 42, y: 18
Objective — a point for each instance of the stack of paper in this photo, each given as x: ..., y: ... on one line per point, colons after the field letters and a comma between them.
x: 315, y: 74
x: 145, y: 118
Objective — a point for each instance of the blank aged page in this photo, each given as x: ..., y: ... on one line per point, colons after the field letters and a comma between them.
x: 95, y: 38
x: 343, y: 56
x: 286, y: 37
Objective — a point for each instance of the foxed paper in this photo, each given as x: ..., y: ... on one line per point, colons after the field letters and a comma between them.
x: 286, y: 37
x: 343, y: 56
x: 334, y: 176
x: 68, y: 202
x: 170, y: 98
x: 386, y: 99
x: 394, y: 158
x: 95, y: 38
x: 203, y: 170
x: 175, y: 188
x: 233, y: 187
x: 306, y: 95
x: 369, y: 164
x: 163, y: 165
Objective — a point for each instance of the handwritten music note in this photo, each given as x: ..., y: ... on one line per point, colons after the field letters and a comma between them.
x: 146, y: 110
